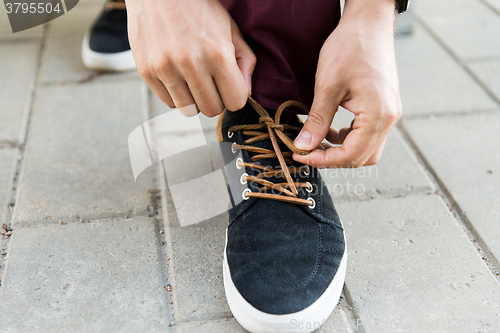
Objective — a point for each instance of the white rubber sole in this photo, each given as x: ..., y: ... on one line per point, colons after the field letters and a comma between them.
x: 116, y: 62
x: 307, y: 320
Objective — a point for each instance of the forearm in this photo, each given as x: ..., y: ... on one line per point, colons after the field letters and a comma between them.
x: 367, y: 28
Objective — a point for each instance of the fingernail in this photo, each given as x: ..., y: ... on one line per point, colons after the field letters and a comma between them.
x: 189, y: 111
x: 303, y: 140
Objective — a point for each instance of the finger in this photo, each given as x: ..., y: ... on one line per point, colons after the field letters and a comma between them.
x: 338, y: 137
x: 324, y: 146
x: 162, y: 92
x: 206, y: 95
x: 359, y: 145
x: 375, y: 158
x: 319, y: 120
x: 245, y: 58
x: 232, y: 87
x: 182, y: 98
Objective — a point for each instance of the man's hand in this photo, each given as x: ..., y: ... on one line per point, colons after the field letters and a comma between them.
x: 191, y: 52
x: 357, y: 70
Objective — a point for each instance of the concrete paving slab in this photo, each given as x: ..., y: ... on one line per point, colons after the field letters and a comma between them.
x: 218, y: 326
x: 412, y: 269
x: 431, y: 81
x: 405, y: 24
x: 62, y: 59
x: 336, y: 323
x: 157, y: 106
x: 464, y: 154
x: 488, y: 71
x: 495, y: 4
x: 77, y: 162
x: 468, y: 27
x: 7, y: 162
x: 197, y: 261
x: 102, y: 276
x: 17, y: 73
x: 397, y: 173
x: 6, y: 34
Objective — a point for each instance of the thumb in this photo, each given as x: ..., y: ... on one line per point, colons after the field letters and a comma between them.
x: 319, y: 120
x: 245, y: 58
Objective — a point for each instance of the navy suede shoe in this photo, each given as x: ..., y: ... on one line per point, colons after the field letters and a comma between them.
x: 285, y: 256
x: 105, y: 46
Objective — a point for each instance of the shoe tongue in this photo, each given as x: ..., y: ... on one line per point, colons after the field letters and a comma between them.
x: 287, y: 117
x: 248, y: 115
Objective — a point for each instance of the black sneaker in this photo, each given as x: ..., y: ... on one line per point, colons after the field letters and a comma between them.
x: 285, y: 256
x: 105, y: 46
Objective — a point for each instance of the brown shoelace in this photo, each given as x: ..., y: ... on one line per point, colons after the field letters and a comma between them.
x: 116, y: 5
x: 275, y: 131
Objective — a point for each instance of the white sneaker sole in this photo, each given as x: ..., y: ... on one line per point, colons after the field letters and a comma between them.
x: 306, y: 320
x: 116, y: 62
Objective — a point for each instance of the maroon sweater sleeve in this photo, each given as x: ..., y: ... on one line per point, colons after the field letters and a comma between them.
x: 286, y: 36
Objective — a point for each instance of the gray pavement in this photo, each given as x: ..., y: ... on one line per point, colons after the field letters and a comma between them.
x: 92, y: 252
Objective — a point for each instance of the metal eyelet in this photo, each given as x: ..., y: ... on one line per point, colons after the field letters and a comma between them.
x: 306, y: 173
x: 243, y: 181
x: 239, y: 159
x: 310, y: 188
x: 230, y: 134
x: 233, y: 149
x: 313, y: 203
x: 243, y: 195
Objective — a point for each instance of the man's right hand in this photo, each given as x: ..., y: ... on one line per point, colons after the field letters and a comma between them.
x: 191, y: 52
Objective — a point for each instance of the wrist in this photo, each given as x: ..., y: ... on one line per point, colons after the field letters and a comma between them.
x: 377, y: 11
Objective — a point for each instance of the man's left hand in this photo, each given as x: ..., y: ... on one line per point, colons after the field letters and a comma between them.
x: 356, y: 70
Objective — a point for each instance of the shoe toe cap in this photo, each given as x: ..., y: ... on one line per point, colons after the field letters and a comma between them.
x: 283, y: 261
